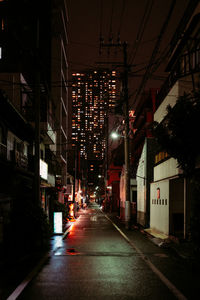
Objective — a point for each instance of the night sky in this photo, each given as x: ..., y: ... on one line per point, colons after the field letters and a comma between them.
x: 140, y: 20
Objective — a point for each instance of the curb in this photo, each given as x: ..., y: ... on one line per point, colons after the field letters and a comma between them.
x: 66, y: 232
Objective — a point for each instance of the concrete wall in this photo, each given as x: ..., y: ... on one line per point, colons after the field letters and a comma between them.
x: 159, y: 207
x: 166, y: 169
x: 141, y: 187
x: 179, y: 88
x: 166, y: 206
x: 122, y: 193
x: 170, y: 99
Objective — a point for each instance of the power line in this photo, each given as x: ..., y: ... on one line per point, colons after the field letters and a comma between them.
x: 121, y: 18
x: 155, y: 51
x: 85, y: 44
x: 145, y: 18
x: 101, y: 17
x: 110, y: 37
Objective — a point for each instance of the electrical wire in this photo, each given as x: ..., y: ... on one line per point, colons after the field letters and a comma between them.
x: 121, y: 19
x: 110, y: 37
x: 84, y: 44
x: 155, y: 51
x: 101, y: 19
x: 143, y: 24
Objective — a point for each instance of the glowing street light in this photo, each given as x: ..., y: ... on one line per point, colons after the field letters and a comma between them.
x: 115, y: 135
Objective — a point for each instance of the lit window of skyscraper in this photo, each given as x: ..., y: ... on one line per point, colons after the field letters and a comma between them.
x: 93, y: 94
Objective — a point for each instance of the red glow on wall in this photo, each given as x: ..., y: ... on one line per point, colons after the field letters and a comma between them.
x: 114, y: 173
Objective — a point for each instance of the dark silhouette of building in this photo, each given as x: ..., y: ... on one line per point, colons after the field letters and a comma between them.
x: 33, y: 103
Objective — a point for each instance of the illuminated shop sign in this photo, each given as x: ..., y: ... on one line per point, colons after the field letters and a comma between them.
x: 57, y: 221
x: 43, y: 170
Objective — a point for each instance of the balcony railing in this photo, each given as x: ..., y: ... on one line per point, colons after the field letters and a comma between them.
x: 19, y: 159
x: 187, y: 64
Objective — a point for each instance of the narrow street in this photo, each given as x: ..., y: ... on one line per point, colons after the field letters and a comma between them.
x: 99, y: 115
x: 100, y: 260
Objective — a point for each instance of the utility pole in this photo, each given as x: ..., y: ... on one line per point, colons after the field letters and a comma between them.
x: 126, y: 137
x: 75, y: 172
x: 37, y: 121
x: 106, y: 155
x: 75, y: 176
x: 126, y: 142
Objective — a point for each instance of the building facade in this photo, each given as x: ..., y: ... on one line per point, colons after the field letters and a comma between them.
x: 59, y: 83
x: 171, y: 192
x: 93, y: 95
x: 33, y: 103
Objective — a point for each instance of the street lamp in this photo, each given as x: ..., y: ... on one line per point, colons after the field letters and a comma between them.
x: 115, y: 135
x: 126, y: 135
x: 126, y: 140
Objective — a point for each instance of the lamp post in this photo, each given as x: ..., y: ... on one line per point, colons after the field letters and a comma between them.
x: 126, y: 136
x: 126, y: 141
x: 115, y: 135
x: 37, y: 122
x: 127, y: 179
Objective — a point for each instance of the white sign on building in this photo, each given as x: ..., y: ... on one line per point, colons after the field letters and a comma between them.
x: 57, y: 223
x: 43, y: 170
x: 159, y: 206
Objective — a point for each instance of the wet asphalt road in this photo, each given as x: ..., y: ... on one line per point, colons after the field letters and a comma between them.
x: 97, y: 262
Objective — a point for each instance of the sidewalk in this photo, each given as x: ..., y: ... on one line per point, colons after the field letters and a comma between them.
x: 182, y: 248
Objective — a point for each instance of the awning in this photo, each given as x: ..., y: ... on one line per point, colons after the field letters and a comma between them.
x: 45, y: 184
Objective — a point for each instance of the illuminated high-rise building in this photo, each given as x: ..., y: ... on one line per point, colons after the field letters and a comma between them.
x: 93, y: 95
